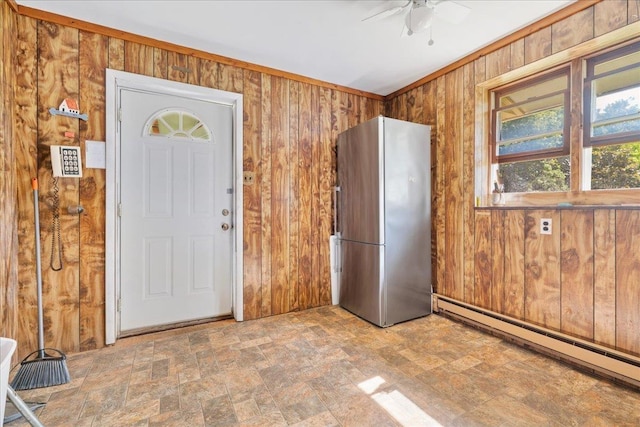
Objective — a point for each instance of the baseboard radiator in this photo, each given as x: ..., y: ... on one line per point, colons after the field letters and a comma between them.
x: 606, y: 361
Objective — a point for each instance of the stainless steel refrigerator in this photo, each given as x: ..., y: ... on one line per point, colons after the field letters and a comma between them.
x: 383, y: 220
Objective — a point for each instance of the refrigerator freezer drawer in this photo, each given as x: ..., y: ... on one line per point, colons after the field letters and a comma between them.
x: 361, y: 289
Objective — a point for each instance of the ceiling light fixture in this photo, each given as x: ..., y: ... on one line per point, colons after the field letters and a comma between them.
x: 419, y: 18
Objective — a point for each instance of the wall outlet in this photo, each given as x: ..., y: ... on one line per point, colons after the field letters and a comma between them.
x: 249, y: 177
x: 546, y: 226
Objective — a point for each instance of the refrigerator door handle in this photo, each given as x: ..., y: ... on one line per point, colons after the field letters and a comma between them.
x: 336, y: 232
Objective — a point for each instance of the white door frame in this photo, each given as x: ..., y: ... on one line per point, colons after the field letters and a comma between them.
x: 116, y: 80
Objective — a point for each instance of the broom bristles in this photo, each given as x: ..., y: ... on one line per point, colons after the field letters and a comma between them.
x: 45, y: 371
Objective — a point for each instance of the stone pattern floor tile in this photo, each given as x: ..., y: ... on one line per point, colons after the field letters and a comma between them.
x: 326, y: 367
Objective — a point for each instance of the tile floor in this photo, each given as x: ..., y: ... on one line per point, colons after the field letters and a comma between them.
x: 326, y: 367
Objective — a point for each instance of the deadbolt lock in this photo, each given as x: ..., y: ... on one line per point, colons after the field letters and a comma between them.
x: 225, y: 212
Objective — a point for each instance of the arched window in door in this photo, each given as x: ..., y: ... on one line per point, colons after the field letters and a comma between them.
x: 173, y: 123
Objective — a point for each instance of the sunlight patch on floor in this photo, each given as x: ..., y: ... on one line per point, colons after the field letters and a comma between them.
x: 397, y: 405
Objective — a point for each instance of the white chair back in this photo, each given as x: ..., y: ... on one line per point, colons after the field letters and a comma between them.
x: 7, y: 348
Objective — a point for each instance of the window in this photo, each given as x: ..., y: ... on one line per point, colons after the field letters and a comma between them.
x: 570, y: 130
x: 530, y: 133
x: 177, y: 124
x: 612, y: 119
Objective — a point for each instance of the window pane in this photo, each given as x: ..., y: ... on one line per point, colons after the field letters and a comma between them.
x: 529, y: 119
x: 545, y: 115
x: 556, y: 84
x: 172, y: 119
x: 178, y: 124
x: 531, y: 144
x: 615, y: 166
x: 616, y: 63
x: 536, y: 175
x: 616, y: 109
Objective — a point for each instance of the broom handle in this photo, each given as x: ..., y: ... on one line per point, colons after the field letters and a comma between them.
x: 34, y: 185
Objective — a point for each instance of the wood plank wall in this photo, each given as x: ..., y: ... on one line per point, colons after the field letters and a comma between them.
x: 582, y: 280
x: 8, y: 209
x: 290, y: 129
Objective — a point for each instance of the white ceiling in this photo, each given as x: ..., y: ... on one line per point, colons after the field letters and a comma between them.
x: 322, y: 39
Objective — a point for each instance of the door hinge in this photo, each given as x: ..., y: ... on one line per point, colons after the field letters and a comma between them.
x: 119, y: 210
x: 120, y: 114
x: 119, y: 308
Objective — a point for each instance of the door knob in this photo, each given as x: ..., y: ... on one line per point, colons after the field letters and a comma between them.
x: 225, y: 226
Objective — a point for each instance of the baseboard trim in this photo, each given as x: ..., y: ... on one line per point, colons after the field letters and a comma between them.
x: 604, y: 360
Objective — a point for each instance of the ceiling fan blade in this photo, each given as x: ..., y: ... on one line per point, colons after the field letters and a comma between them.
x: 451, y: 12
x: 387, y: 12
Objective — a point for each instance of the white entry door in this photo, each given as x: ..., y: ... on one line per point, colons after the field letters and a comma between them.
x: 175, y: 209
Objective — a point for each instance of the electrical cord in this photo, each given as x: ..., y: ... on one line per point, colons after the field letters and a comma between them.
x: 55, y: 229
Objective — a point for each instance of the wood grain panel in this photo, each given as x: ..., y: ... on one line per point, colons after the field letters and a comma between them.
x: 628, y: 274
x: 58, y: 79
x: 209, y: 74
x: 400, y: 107
x: 481, y: 155
x: 230, y: 78
x: 116, y: 54
x: 604, y: 277
x: 138, y: 59
x: 178, y: 67
x: 25, y: 151
x: 468, y: 175
x: 573, y: 30
x: 542, y: 271
x: 252, y: 237
x: 313, y: 297
x: 517, y: 54
x: 609, y: 16
x: 9, y: 212
x: 483, y: 258
x: 514, y: 274
x: 264, y: 180
x: 294, y: 194
x: 576, y: 257
x: 454, y: 202
x: 415, y: 105
x: 183, y: 68
x: 93, y: 54
x: 429, y: 113
x: 374, y: 109
x: 305, y: 201
x: 327, y: 163
x: 498, y: 62
x: 280, y: 280
x: 160, y: 63
x: 537, y: 45
x: 438, y: 207
x: 356, y: 107
x: 498, y: 260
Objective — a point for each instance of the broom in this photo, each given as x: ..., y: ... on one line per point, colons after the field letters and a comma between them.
x: 44, y: 370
